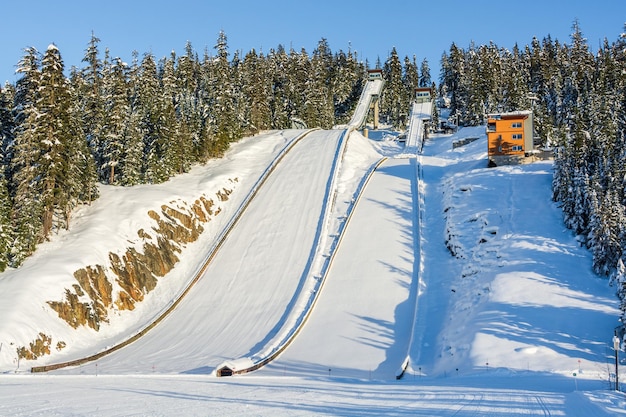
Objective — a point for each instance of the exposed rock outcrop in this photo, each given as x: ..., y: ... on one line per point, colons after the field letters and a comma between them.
x: 129, y: 277
x: 39, y: 347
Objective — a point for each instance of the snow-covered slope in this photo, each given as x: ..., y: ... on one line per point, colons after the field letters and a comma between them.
x: 248, y: 290
x: 111, y: 225
x: 519, y: 293
x: 361, y: 324
x: 515, y: 324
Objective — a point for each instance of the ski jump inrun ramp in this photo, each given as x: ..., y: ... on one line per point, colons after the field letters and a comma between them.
x: 370, y: 92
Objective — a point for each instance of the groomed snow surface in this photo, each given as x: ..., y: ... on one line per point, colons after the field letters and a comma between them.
x: 515, y: 324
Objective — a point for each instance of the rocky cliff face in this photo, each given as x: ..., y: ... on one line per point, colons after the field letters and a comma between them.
x: 99, y: 289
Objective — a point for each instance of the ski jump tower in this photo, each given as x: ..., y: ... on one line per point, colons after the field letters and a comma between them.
x: 368, y: 101
x: 374, y: 75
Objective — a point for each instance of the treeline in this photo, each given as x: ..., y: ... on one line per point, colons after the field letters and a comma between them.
x: 579, y: 102
x: 123, y: 124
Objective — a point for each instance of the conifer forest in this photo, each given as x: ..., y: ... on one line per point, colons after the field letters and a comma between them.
x: 110, y: 122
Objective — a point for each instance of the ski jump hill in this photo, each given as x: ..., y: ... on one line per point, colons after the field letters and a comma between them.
x: 421, y: 112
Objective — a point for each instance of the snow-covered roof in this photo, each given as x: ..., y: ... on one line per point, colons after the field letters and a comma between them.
x: 505, y: 115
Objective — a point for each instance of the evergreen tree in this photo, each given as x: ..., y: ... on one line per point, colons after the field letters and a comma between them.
x: 425, y: 79
x: 224, y: 124
x: 6, y: 137
x: 132, y: 162
x: 53, y: 135
x: 347, y: 85
x: 411, y: 78
x: 6, y: 229
x: 27, y: 205
x: 190, y: 106
x: 82, y: 174
x: 318, y: 109
x: 7, y: 124
x: 299, y: 70
x: 116, y: 115
x: 150, y: 108
x: 455, y: 80
x: 281, y: 102
x: 91, y: 106
x: 394, y: 99
x: 256, y: 92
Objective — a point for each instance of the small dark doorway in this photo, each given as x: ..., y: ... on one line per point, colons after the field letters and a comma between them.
x: 225, y: 371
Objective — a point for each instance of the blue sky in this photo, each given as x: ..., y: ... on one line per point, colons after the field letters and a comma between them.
x: 414, y: 27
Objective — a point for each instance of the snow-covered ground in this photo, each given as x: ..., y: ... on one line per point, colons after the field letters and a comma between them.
x: 250, y: 287
x: 360, y: 328
x: 516, y: 324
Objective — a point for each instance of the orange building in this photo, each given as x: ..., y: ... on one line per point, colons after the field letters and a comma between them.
x: 509, y: 134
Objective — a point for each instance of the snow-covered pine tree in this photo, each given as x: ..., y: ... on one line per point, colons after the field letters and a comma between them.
x: 178, y: 149
x: 6, y: 229
x: 150, y: 102
x: 298, y: 77
x: 90, y: 98
x: 27, y: 205
x: 82, y: 175
x: 394, y: 98
x: 224, y: 124
x: 115, y: 116
x: 281, y: 105
x: 411, y: 78
x: 319, y: 110
x: 6, y: 137
x: 620, y: 281
x: 515, y: 92
x: 435, y: 111
x: 55, y: 141
x: 256, y: 92
x: 132, y: 162
x: 455, y: 80
x: 189, y: 102
x: 606, y: 231
x: 7, y: 124
x: 347, y: 84
x: 425, y: 78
